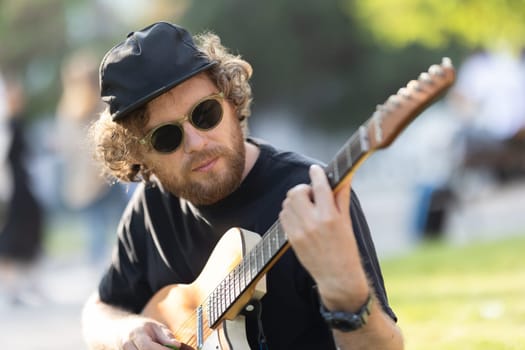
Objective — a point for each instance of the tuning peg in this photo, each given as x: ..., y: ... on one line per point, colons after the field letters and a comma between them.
x: 446, y: 62
x: 394, y: 100
x: 382, y: 108
x: 414, y: 85
x: 377, y: 114
x: 404, y: 92
x: 436, y: 69
x: 425, y: 78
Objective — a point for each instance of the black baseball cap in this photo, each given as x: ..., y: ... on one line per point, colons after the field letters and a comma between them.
x: 147, y: 64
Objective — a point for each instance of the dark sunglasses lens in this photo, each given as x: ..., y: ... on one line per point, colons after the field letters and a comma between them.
x: 207, y: 114
x: 166, y: 138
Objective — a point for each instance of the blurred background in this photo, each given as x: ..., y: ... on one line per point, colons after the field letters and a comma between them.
x: 445, y: 202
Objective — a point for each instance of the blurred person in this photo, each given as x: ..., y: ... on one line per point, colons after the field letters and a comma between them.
x: 488, y: 140
x: 84, y: 190
x: 21, y: 234
x: 176, y: 119
x: 488, y: 98
x: 5, y: 140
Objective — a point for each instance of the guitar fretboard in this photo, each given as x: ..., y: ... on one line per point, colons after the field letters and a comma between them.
x: 348, y: 156
x: 253, y: 265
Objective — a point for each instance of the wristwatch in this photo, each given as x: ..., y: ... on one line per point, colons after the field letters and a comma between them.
x: 347, y: 321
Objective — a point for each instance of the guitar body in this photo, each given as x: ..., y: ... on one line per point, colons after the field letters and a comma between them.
x: 175, y: 305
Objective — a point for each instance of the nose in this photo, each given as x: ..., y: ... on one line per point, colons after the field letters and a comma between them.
x: 194, y: 139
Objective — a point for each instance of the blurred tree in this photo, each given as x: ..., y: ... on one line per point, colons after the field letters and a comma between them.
x: 33, y: 37
x: 37, y: 36
x: 311, y: 58
x: 327, y: 62
x: 29, y: 30
x: 435, y: 23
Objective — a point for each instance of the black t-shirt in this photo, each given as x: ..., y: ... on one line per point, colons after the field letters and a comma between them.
x: 165, y: 240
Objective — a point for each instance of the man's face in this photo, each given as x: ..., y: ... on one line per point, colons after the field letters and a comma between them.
x: 208, y: 165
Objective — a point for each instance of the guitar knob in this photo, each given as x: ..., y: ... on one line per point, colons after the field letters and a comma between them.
x: 436, y: 70
x: 425, y: 77
x: 446, y: 62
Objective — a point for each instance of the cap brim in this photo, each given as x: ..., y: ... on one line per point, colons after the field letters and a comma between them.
x: 142, y: 101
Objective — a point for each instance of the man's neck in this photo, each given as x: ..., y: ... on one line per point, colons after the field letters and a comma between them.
x: 252, y: 153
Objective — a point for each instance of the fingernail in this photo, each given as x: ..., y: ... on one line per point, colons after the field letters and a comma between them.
x: 172, y: 347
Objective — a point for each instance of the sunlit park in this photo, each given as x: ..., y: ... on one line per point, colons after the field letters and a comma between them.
x: 444, y: 201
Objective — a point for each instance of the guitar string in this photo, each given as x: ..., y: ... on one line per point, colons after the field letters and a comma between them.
x: 188, y: 327
x: 187, y: 332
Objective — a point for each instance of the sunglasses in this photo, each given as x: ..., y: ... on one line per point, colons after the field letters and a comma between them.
x: 205, y: 115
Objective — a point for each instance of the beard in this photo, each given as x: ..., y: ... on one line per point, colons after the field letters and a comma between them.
x: 211, y: 186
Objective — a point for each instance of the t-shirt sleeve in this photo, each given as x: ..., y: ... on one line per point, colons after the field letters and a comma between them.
x: 368, y: 253
x: 125, y: 284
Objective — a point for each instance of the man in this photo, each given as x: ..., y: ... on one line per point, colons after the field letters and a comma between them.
x: 176, y: 119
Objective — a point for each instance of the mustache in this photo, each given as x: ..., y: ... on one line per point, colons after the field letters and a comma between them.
x: 203, y: 156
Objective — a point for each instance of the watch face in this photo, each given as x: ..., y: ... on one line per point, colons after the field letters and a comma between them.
x: 347, y: 322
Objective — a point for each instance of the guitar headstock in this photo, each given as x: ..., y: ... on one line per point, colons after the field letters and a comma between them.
x: 390, y: 118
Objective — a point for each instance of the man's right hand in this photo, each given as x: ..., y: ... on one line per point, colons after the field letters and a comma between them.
x: 140, y: 333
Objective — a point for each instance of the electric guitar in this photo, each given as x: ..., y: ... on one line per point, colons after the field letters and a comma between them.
x: 207, y: 314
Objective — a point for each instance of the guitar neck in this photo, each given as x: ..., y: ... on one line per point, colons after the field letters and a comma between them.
x: 274, y: 242
x: 348, y: 158
x: 379, y: 131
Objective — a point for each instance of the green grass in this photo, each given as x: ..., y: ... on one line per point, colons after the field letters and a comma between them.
x: 460, y: 297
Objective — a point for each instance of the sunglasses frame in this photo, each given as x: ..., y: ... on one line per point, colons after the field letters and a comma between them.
x: 219, y: 97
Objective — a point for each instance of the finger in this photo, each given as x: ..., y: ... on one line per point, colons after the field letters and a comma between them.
x: 163, y: 335
x: 129, y: 346
x: 342, y: 197
x: 321, y: 189
x: 287, y: 215
x: 299, y: 227
x: 148, y: 344
x: 299, y: 200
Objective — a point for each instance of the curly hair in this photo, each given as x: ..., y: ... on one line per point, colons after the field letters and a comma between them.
x: 116, y: 142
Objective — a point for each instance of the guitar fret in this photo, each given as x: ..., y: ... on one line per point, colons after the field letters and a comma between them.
x: 223, y: 297
x: 268, y: 250
x: 253, y: 263
x: 355, y: 149
x: 231, y: 285
x: 342, y: 166
x: 329, y: 170
x: 269, y: 242
x: 275, y: 242
x: 337, y: 177
x: 236, y: 283
x: 263, y: 254
x: 243, y: 274
x: 215, y: 305
x: 281, y: 235
x: 259, y: 257
x: 228, y: 291
x: 348, y: 155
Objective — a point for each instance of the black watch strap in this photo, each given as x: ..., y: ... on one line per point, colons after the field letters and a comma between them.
x: 347, y: 321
